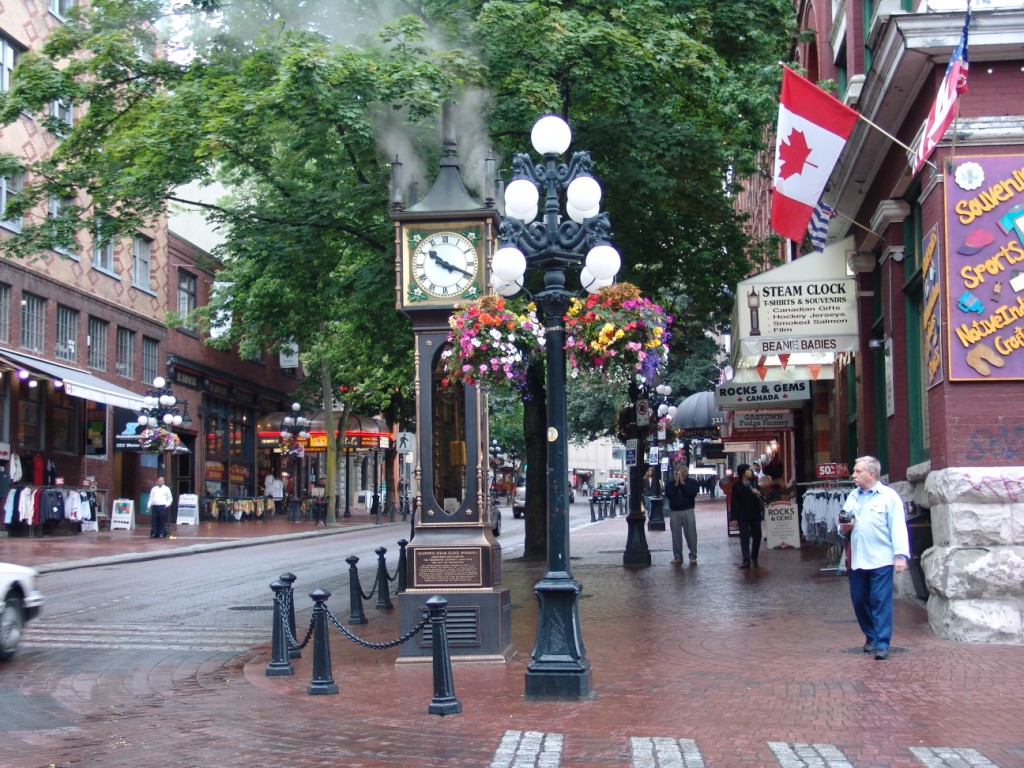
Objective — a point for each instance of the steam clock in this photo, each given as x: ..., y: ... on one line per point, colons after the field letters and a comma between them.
x: 443, y: 245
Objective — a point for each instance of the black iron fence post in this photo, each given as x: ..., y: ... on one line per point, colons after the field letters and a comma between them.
x: 288, y: 579
x: 355, y: 593
x: 323, y: 681
x: 444, y: 701
x: 279, y: 664
x: 383, y: 589
x: 403, y: 577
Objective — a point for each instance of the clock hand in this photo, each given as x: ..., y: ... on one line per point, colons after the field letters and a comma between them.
x: 445, y: 265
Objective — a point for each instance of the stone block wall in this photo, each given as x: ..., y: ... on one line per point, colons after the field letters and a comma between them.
x: 975, y: 570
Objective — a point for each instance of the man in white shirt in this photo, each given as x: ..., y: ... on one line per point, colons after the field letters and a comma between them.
x: 160, y: 500
x: 879, y: 546
x: 273, y: 488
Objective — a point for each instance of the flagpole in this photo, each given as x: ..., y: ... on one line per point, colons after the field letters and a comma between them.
x: 861, y: 226
x: 893, y: 139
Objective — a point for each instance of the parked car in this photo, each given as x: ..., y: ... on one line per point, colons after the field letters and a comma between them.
x: 608, y: 490
x: 22, y: 603
x: 519, y: 499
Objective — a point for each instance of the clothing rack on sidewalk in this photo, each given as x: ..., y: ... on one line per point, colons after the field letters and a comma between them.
x: 42, y: 510
x: 821, y: 503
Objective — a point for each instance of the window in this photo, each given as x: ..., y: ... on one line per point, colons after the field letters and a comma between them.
x: 187, y: 295
x: 124, y: 363
x: 62, y: 111
x: 56, y: 207
x: 5, y: 312
x: 59, y: 8
x: 30, y: 417
x: 98, y: 330
x: 141, y: 270
x: 9, y: 54
x: 67, y: 334
x: 103, y: 249
x: 10, y: 185
x: 33, y: 322
x: 150, y: 352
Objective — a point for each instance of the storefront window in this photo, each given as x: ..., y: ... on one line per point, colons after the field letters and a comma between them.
x: 65, y: 423
x: 30, y: 417
x: 95, y: 429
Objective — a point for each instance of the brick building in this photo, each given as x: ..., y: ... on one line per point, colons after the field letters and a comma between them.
x: 932, y: 381
x: 83, y: 335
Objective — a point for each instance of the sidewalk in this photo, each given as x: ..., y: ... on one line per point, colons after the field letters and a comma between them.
x: 706, y: 665
x: 65, y: 551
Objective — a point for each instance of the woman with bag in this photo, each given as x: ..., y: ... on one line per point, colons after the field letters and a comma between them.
x: 746, y: 508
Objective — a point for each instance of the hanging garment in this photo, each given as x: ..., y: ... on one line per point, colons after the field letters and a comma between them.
x: 15, y: 468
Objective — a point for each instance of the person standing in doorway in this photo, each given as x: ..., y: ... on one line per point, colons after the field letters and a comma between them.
x: 682, y: 494
x: 273, y: 488
x: 160, y: 500
x: 874, y: 520
x: 746, y: 511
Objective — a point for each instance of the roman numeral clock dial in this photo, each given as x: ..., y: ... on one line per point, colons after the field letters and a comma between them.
x: 445, y: 265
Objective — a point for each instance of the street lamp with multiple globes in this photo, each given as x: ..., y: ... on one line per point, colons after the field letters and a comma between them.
x: 160, y: 412
x: 666, y: 412
x: 554, y: 244
x: 294, y: 430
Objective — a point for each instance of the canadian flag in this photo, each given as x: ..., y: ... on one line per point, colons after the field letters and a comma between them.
x: 812, y: 131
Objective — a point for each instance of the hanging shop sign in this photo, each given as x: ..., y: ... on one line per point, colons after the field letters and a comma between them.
x: 804, y: 306
x: 779, y: 394
x: 984, y: 298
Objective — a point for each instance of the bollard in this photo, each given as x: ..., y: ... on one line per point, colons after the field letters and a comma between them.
x: 355, y: 594
x: 593, y: 512
x: 279, y: 664
x: 383, y: 588
x: 403, y: 577
x: 444, y: 701
x: 288, y: 579
x: 322, y: 682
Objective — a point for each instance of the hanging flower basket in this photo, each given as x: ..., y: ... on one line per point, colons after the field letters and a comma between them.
x: 159, y: 440
x: 492, y: 344
x: 618, y: 333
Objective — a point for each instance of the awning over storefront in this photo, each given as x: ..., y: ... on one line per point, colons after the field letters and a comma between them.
x: 697, y: 416
x: 76, y: 382
x: 790, y: 322
x: 367, y: 432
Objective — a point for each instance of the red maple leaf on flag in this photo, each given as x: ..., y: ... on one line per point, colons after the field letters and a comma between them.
x: 794, y: 153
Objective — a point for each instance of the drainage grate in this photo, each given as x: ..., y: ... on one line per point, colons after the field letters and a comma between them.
x: 251, y: 608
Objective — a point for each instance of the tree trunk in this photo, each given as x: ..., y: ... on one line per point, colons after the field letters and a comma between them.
x: 327, y: 392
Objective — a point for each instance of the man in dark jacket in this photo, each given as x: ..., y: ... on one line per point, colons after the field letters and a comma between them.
x: 681, y: 494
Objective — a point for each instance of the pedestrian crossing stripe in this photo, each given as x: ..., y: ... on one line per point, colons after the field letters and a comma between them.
x: 130, y: 637
x: 534, y: 749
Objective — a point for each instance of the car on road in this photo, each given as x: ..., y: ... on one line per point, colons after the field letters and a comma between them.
x: 495, y: 518
x: 608, y: 490
x: 519, y: 499
x: 22, y: 603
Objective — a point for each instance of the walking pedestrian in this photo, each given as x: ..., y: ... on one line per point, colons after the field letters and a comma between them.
x: 160, y: 500
x: 682, y: 494
x: 874, y: 520
x: 746, y: 511
x: 273, y: 488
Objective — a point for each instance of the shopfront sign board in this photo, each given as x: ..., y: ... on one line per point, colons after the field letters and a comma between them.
x: 188, y: 509
x: 782, y: 525
x: 122, y: 515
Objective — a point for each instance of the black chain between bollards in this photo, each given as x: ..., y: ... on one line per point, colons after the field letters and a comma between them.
x: 285, y: 603
x: 378, y: 646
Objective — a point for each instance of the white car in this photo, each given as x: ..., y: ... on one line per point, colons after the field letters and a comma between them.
x: 22, y: 603
x: 519, y: 499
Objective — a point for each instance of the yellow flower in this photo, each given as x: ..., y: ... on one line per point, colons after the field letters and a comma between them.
x: 619, y: 333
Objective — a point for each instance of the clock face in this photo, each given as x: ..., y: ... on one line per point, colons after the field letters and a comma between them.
x: 445, y: 265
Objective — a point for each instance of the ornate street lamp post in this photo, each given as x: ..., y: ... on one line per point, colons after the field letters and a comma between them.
x: 666, y: 411
x: 553, y: 244
x: 295, y: 429
x: 159, y: 413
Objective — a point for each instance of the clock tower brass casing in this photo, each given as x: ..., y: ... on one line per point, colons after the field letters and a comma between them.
x: 443, y: 246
